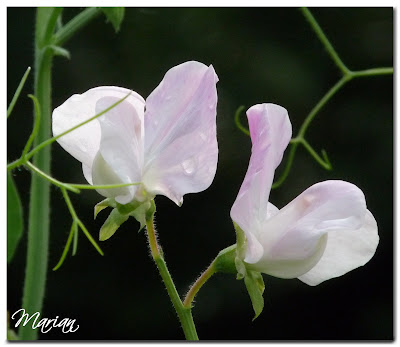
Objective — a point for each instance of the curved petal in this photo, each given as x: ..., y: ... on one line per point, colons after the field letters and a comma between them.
x: 120, y: 157
x: 346, y: 250
x: 84, y: 142
x: 270, y: 131
x: 181, y: 150
x: 295, y: 239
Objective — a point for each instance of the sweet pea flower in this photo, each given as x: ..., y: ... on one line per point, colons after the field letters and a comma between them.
x: 324, y: 233
x: 168, y: 142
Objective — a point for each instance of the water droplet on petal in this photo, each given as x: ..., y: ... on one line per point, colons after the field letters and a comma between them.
x: 168, y: 97
x: 189, y: 166
x: 203, y: 137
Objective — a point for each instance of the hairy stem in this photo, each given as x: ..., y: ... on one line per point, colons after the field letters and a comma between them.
x: 184, y: 313
x: 204, y: 277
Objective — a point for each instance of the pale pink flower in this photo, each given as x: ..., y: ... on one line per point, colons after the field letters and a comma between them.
x: 167, y: 142
x: 324, y: 233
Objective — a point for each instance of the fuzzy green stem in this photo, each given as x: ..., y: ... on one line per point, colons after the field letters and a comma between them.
x: 184, y: 313
x: 204, y: 277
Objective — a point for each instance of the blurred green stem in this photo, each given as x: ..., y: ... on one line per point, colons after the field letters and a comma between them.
x: 39, y: 209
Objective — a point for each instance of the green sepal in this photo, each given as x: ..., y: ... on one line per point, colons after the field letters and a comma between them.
x: 104, y: 204
x: 111, y: 225
x: 241, y: 243
x: 225, y: 260
x: 14, y: 217
x: 255, y: 287
x: 140, y: 214
x: 115, y: 15
x: 240, y: 268
x: 252, y: 279
x: 141, y: 211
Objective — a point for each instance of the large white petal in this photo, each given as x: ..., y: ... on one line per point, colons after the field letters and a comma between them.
x: 84, y: 142
x: 296, y: 238
x: 181, y: 150
x: 120, y: 158
x: 270, y: 131
x: 346, y: 250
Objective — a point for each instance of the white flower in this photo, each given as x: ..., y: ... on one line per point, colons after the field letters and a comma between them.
x: 324, y: 233
x: 167, y: 142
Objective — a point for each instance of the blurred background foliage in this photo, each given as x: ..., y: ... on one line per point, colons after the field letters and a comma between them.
x: 260, y: 55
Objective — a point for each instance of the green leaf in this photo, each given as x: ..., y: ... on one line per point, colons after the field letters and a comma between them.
x: 111, y: 225
x: 115, y: 15
x: 14, y: 218
x: 104, y: 204
x: 255, y: 287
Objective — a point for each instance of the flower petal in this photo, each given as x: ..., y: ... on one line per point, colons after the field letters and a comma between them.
x: 270, y: 131
x: 181, y: 150
x: 296, y: 238
x: 84, y: 142
x: 120, y: 157
x: 346, y: 250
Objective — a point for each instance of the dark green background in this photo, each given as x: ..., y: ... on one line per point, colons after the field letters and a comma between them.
x: 260, y: 55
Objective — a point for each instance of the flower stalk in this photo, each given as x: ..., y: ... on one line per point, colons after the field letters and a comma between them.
x: 184, y: 313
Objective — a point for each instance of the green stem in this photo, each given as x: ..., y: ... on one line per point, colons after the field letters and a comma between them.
x: 288, y: 166
x: 373, y: 72
x: 75, y: 24
x: 49, y: 141
x: 321, y: 104
x: 78, y: 221
x: 237, y: 120
x: 204, y: 277
x: 26, y: 156
x: 51, y: 179
x: 39, y: 209
x: 184, y: 313
x: 72, y: 186
x: 321, y: 35
x: 18, y: 91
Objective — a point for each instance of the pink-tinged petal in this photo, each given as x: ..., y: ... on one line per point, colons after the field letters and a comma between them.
x: 296, y: 238
x: 181, y: 150
x: 84, y: 142
x: 346, y: 250
x: 270, y: 131
x: 120, y: 157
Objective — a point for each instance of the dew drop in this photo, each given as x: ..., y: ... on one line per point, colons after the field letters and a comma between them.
x: 189, y: 165
x: 203, y: 137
